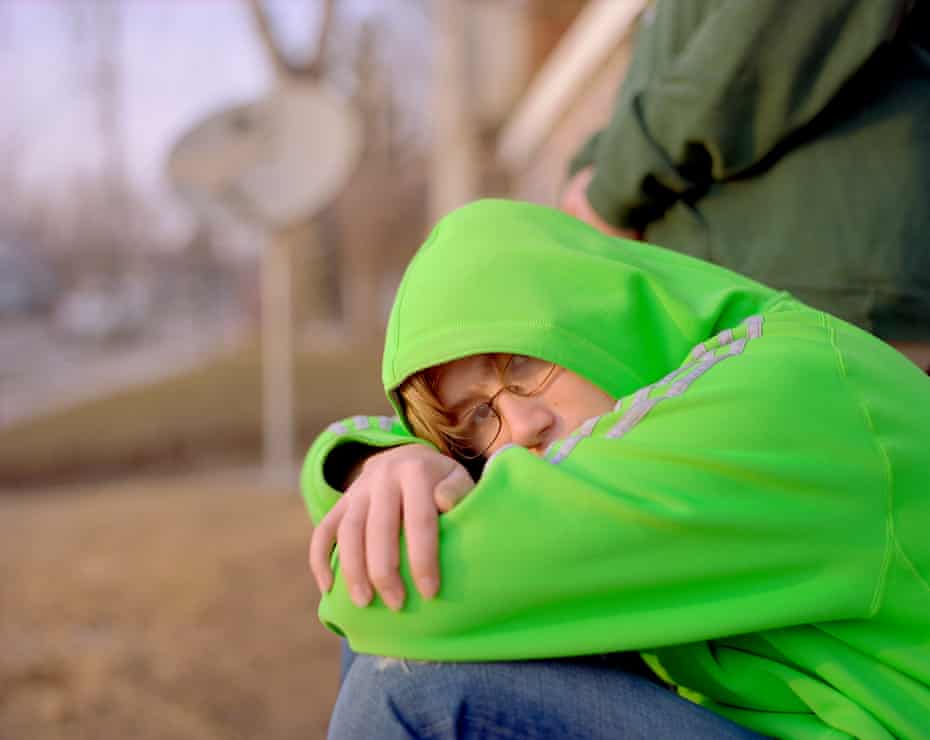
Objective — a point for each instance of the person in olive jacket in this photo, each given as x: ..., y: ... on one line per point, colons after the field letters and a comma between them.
x: 789, y: 141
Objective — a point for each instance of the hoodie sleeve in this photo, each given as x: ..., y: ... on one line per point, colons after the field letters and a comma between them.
x: 749, y: 76
x: 742, y: 492
x: 374, y: 432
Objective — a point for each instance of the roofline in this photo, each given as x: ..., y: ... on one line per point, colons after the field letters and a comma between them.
x: 597, y: 31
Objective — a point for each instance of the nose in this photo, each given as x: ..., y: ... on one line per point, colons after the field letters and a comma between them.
x: 528, y: 421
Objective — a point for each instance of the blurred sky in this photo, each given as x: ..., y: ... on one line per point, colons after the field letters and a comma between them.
x: 182, y: 59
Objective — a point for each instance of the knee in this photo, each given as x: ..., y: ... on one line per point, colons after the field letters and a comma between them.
x: 390, y: 698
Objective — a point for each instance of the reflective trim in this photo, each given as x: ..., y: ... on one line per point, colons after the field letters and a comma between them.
x: 505, y: 447
x: 701, y: 359
x: 386, y: 422
x: 572, y: 441
x: 360, y: 423
x: 737, y: 347
x: 338, y: 428
x: 585, y: 429
x: 754, y: 326
x: 672, y: 375
x: 632, y: 418
x: 699, y: 350
x: 565, y: 450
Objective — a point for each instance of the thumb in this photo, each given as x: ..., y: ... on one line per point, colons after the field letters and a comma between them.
x: 453, y: 488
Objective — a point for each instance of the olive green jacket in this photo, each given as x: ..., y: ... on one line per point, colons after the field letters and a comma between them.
x: 786, y: 140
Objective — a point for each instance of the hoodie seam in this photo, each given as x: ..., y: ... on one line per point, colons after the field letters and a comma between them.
x: 402, y: 293
x: 888, y: 474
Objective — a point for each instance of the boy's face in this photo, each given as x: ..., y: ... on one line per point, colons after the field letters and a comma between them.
x: 539, y: 404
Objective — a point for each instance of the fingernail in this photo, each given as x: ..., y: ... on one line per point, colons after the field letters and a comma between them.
x: 429, y: 587
x: 393, y: 598
x: 361, y: 595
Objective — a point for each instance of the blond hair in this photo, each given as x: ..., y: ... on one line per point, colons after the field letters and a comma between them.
x: 428, y: 418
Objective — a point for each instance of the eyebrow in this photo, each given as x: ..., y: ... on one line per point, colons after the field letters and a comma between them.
x: 472, y: 396
x: 466, y: 404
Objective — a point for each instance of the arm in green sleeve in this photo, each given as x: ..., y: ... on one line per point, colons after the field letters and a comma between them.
x: 752, y: 498
x: 326, y: 463
x: 751, y: 75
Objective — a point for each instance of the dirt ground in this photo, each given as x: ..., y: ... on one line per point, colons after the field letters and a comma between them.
x: 160, y: 611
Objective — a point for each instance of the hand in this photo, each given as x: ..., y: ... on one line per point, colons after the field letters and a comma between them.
x: 575, y: 201
x: 409, y: 484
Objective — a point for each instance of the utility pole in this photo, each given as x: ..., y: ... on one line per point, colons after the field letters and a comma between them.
x: 456, y: 167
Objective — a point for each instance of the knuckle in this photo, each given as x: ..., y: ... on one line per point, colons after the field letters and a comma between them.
x: 422, y: 563
x: 382, y: 576
x: 350, y: 528
x: 420, y: 521
x: 317, y: 549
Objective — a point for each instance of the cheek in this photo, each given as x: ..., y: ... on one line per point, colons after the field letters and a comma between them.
x: 579, y: 401
x: 597, y: 403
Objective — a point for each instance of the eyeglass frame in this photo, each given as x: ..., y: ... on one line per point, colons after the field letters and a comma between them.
x: 551, y: 372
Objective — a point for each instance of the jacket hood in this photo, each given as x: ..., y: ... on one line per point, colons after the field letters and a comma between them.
x: 514, y: 277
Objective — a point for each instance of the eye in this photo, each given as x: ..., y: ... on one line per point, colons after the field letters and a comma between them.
x: 481, y: 414
x: 479, y: 417
x: 524, y: 374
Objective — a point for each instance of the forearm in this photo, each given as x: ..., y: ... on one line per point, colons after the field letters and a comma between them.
x: 654, y: 535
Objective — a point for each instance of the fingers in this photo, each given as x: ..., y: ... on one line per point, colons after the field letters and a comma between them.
x: 406, y: 487
x: 351, y: 536
x: 382, y: 535
x: 573, y: 198
x: 321, y: 546
x: 421, y: 529
x: 452, y: 489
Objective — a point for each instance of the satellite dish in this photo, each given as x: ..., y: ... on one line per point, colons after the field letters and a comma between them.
x: 276, y: 161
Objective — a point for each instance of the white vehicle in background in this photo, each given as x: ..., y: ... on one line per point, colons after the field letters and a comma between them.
x: 94, y: 313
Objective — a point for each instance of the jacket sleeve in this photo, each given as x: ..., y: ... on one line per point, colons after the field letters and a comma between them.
x: 374, y: 432
x: 742, y: 493
x: 750, y: 75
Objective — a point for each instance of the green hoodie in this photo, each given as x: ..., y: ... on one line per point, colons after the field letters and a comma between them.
x: 752, y: 516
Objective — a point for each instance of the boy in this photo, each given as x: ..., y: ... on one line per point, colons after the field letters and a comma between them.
x: 750, y: 514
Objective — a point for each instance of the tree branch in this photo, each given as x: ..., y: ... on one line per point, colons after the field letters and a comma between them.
x: 282, y: 67
x: 317, y: 66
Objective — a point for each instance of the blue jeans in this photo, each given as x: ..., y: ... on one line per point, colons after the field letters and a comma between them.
x: 569, y: 699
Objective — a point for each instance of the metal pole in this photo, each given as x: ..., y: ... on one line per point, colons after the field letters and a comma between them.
x: 277, y: 344
x: 455, y: 172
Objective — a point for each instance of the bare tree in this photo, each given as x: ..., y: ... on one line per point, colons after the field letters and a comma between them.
x: 108, y: 23
x: 284, y: 68
x: 97, y: 33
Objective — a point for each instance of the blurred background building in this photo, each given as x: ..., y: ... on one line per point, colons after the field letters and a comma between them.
x: 135, y: 143
x: 115, y: 280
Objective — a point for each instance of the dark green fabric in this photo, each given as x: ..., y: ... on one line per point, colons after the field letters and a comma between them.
x: 786, y: 140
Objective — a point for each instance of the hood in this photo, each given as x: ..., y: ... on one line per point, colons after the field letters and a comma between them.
x: 514, y: 277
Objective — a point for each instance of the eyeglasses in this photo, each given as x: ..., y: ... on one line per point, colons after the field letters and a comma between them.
x: 480, y: 426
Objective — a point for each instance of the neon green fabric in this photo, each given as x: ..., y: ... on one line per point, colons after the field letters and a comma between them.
x: 752, y: 516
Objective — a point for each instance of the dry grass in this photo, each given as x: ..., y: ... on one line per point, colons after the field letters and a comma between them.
x: 213, y: 408
x: 160, y: 611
